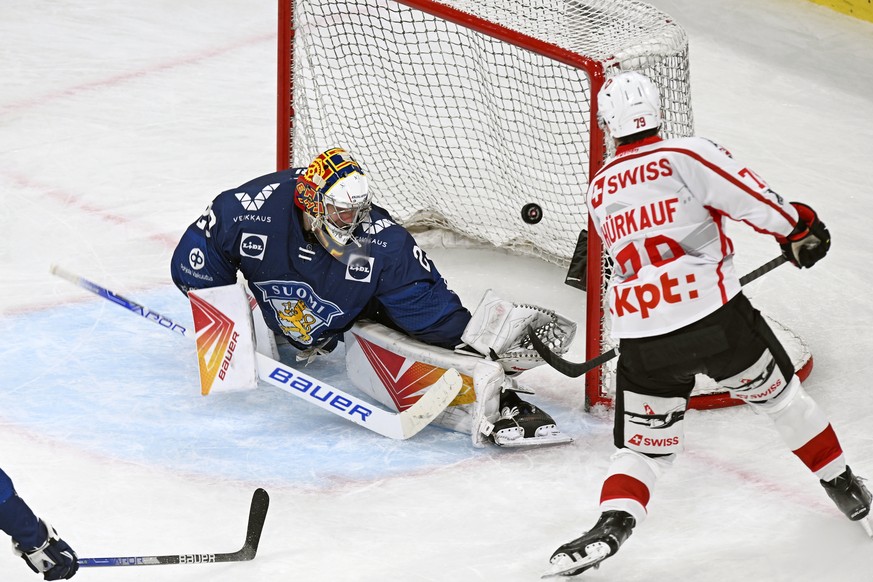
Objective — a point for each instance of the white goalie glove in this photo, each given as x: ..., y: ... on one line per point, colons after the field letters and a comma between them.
x: 498, y: 330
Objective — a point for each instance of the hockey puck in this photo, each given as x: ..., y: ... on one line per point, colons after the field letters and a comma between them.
x: 531, y: 213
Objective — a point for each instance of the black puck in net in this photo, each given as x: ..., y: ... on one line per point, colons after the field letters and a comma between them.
x: 531, y: 213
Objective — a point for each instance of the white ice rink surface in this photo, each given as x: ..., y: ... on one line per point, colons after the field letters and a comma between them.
x: 119, y: 121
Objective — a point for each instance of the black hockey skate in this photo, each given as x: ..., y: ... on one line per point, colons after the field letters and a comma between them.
x: 597, y: 544
x: 850, y: 494
x: 522, y: 424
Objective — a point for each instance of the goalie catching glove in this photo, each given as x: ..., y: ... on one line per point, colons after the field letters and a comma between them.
x: 498, y: 330
x: 810, y: 240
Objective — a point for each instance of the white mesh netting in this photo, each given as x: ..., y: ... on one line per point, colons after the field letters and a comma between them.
x: 461, y: 130
x: 464, y: 111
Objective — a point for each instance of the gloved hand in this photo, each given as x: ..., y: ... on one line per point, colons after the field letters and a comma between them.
x: 322, y: 347
x: 810, y: 240
x: 54, y: 558
x: 498, y: 329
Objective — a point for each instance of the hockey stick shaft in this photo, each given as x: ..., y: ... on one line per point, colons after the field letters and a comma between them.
x: 576, y: 369
x: 762, y: 270
x: 257, y: 516
x: 401, y: 425
x: 133, y: 306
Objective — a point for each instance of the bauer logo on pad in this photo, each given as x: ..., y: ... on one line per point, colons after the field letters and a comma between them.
x: 225, y: 349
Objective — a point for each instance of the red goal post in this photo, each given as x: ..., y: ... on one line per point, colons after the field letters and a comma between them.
x: 463, y: 111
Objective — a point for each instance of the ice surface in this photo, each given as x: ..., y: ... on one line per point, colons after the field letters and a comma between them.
x: 119, y: 121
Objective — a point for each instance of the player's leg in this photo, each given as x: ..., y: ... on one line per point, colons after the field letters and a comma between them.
x: 652, y: 392
x: 770, y: 387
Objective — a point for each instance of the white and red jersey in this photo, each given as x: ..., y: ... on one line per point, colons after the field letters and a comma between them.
x: 660, y: 207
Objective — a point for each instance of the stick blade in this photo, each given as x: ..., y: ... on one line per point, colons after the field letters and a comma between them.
x: 257, y: 516
x: 429, y: 406
x: 566, y: 367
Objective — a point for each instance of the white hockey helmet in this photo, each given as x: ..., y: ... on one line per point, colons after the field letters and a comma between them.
x: 629, y: 103
x: 334, y: 192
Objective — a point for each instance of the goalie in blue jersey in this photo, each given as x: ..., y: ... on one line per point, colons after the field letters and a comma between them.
x: 33, y: 539
x: 325, y: 265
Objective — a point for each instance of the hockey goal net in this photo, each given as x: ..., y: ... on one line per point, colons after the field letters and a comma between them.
x: 464, y: 111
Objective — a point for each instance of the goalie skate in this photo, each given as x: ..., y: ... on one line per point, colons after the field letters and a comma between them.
x: 521, y: 424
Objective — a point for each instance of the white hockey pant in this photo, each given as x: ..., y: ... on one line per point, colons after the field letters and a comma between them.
x: 800, y: 421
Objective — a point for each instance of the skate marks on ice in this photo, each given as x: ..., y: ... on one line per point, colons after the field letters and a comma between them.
x: 124, y: 389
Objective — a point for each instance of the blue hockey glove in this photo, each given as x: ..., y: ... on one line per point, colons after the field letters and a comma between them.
x: 54, y: 558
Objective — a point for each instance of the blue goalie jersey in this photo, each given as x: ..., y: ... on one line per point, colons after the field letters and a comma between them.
x: 305, y: 294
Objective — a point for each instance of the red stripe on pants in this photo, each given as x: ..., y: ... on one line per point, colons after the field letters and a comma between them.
x: 820, y: 450
x: 624, y: 487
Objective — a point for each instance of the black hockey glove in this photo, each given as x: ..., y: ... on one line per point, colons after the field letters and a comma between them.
x: 54, y: 558
x: 810, y: 240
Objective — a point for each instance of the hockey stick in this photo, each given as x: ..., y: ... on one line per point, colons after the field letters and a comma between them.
x: 762, y: 270
x: 133, y: 306
x: 257, y: 515
x: 399, y: 425
x: 576, y: 369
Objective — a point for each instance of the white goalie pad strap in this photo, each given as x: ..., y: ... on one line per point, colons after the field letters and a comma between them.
x: 224, y: 339
x: 499, y: 329
x: 488, y: 381
x: 396, y: 370
x: 654, y: 424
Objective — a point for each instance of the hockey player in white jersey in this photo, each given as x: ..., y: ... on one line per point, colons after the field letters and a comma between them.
x: 660, y: 206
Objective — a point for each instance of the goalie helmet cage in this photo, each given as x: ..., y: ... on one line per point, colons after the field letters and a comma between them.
x: 463, y: 111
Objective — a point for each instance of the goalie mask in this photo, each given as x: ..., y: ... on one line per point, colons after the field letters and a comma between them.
x: 333, y: 192
x: 629, y: 103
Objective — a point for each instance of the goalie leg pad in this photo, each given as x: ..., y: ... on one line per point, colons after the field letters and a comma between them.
x: 476, y: 417
x: 395, y: 369
x: 225, y: 339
